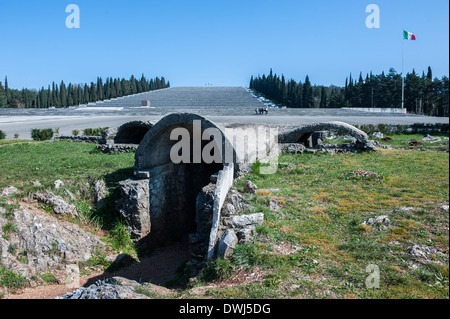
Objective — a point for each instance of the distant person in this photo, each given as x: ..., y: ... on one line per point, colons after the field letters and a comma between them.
x: 266, y: 110
x: 256, y: 111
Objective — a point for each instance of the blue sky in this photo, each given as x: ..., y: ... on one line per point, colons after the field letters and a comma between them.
x: 192, y: 43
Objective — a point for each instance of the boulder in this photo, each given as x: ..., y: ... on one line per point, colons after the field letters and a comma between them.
x: 60, y: 206
x: 43, y: 242
x: 227, y: 244
x: 246, y: 234
x: 100, y: 193
x: 111, y: 288
x: 250, y: 187
x: 134, y: 206
x: 58, y: 184
x: 8, y: 191
x: 244, y: 221
x: 377, y: 220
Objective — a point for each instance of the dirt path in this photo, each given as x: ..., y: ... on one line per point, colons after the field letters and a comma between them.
x: 158, y: 268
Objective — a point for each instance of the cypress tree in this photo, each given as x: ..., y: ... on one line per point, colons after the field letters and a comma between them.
x: 307, y: 98
x: 323, y: 98
x: 3, y: 100
x: 93, y: 93
x: 63, y: 93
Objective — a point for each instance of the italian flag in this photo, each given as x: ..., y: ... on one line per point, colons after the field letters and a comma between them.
x: 408, y: 35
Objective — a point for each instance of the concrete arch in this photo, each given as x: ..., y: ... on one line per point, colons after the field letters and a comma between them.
x: 132, y: 132
x: 304, y: 134
x: 155, y: 147
x: 173, y: 187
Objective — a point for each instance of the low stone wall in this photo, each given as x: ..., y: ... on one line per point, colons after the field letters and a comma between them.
x: 117, y: 148
x: 85, y: 139
x: 225, y: 180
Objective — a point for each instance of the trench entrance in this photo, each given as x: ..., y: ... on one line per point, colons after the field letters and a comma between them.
x: 132, y: 134
x: 173, y: 192
x: 306, y: 139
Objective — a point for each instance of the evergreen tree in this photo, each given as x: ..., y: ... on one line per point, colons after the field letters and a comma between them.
x: 63, y: 93
x: 307, y: 98
x: 323, y: 98
x: 93, y: 93
x: 3, y: 100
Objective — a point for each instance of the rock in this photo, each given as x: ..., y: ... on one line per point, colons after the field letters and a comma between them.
x: 246, y: 234
x: 60, y: 206
x: 428, y: 137
x: 100, y: 193
x: 250, y: 187
x: 444, y: 208
x: 244, y: 221
x: 134, y: 206
x: 229, y: 210
x: 58, y: 184
x: 111, y: 288
x: 227, y: 244
x: 292, y: 148
x: 421, y: 252
x: 378, y: 134
x: 236, y: 201
x: 69, y: 194
x: 36, y: 184
x: 273, y: 205
x: 377, y: 220
x: 46, y: 243
x: 8, y: 191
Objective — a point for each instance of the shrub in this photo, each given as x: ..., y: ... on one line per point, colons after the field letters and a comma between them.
x: 2, y: 135
x: 75, y: 132
x: 218, y: 269
x: 94, y: 131
x: 41, y: 134
x: 10, y: 279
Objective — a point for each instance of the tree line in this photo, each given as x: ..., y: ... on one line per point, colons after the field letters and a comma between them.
x: 423, y: 93
x: 64, y: 95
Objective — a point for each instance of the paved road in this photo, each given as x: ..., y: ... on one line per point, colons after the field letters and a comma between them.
x: 221, y: 105
x: 22, y: 125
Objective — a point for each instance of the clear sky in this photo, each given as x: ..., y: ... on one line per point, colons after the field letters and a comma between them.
x: 222, y: 42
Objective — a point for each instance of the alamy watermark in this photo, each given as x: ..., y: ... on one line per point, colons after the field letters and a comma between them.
x: 73, y: 19
x: 373, y: 280
x: 373, y: 19
x: 233, y: 145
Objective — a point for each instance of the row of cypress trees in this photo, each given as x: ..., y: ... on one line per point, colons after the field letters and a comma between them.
x: 423, y: 94
x: 64, y: 95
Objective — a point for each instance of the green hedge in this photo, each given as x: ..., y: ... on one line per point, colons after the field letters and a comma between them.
x: 94, y: 131
x: 41, y: 134
x: 2, y: 135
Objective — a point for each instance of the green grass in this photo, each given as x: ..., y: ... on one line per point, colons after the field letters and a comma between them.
x: 323, y: 207
x: 79, y: 165
x: 313, y: 247
x: 403, y: 140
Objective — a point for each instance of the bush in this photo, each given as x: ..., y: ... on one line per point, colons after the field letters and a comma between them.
x: 94, y: 131
x: 41, y: 134
x: 218, y: 269
x: 75, y: 132
x: 2, y: 135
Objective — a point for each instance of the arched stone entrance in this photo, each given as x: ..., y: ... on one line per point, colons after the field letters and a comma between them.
x: 173, y: 187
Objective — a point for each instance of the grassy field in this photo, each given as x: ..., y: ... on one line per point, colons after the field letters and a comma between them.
x: 313, y: 243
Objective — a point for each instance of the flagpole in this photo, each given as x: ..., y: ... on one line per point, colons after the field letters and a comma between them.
x: 403, y: 78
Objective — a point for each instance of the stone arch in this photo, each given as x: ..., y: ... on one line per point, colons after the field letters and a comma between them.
x: 305, y: 134
x: 173, y: 187
x: 132, y: 132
